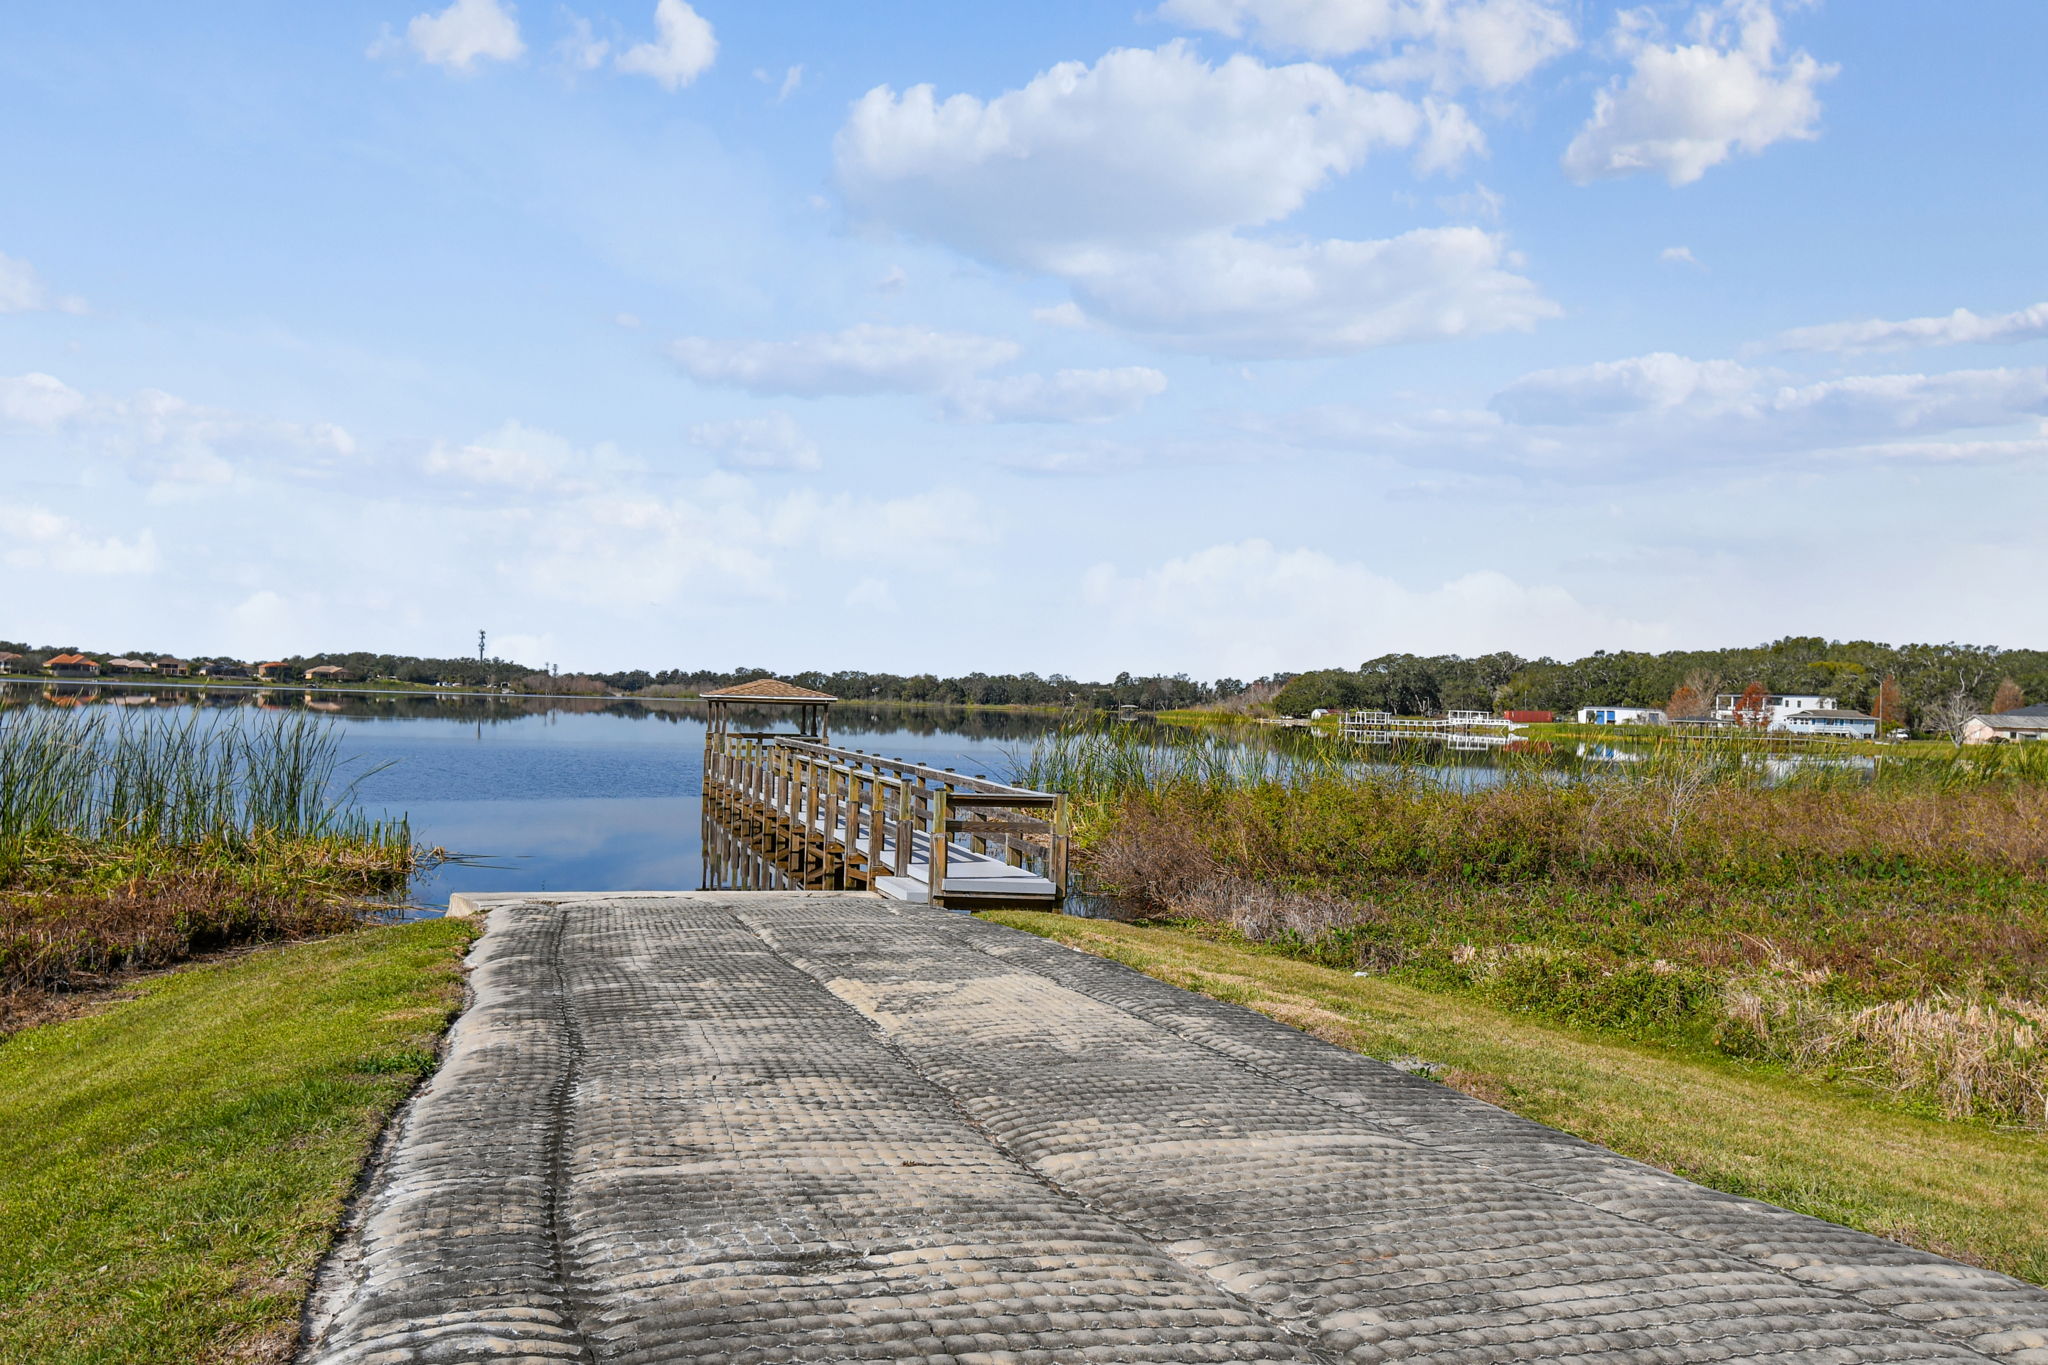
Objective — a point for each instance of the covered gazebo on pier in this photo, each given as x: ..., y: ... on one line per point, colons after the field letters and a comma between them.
x: 810, y: 705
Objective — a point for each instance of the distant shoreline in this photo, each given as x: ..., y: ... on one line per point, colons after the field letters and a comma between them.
x: 425, y: 690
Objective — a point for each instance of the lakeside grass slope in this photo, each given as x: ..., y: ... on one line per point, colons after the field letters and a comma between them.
x: 1964, y: 1190
x: 173, y: 1166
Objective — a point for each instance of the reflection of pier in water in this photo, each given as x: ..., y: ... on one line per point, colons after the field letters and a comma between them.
x: 1467, y: 731
x: 791, y: 811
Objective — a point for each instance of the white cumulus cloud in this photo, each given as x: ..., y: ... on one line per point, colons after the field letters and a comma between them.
x: 22, y: 290
x: 774, y: 441
x: 1719, y: 408
x: 39, y: 400
x: 1959, y: 328
x: 167, y: 439
x: 1135, y: 180
x: 1226, y: 295
x: 1145, y: 147
x: 1251, y: 607
x: 1449, y: 43
x: 462, y: 34
x: 1687, y: 107
x: 1066, y: 396
x: 33, y: 537
x: 682, y: 50
x: 864, y: 359
x: 517, y: 458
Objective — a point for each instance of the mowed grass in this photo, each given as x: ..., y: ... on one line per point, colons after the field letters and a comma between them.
x: 173, y: 1166
x: 1964, y: 1190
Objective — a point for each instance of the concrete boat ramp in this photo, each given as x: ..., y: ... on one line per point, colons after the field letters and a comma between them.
x: 823, y: 1126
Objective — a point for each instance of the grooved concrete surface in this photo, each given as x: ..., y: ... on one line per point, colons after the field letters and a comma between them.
x: 825, y: 1127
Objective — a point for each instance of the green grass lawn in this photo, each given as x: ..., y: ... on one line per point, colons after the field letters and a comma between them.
x: 172, y: 1167
x: 1964, y: 1190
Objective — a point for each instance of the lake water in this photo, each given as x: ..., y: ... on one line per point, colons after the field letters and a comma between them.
x: 561, y: 794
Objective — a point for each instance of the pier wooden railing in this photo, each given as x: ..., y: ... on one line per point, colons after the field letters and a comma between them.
x: 834, y: 818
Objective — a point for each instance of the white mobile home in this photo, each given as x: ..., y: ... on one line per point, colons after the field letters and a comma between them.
x: 1622, y: 715
x: 1829, y: 721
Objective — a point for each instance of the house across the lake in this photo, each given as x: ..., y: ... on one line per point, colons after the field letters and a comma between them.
x: 328, y: 673
x: 10, y: 663
x: 224, y: 668
x: 1830, y: 721
x: 173, y: 668
x: 71, y: 666
x: 1771, y: 711
x: 1621, y: 715
x: 275, y: 671
x: 2028, y: 725
x: 130, y: 666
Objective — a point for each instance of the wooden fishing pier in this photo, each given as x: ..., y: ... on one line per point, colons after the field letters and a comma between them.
x: 792, y: 811
x: 1457, y: 729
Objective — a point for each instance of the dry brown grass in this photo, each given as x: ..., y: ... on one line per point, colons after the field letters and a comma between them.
x: 53, y: 942
x: 1890, y: 936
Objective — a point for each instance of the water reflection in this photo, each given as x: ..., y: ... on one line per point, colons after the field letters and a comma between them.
x: 551, y: 794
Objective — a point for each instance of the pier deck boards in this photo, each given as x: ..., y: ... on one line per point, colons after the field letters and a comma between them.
x: 745, y: 1127
x: 834, y: 818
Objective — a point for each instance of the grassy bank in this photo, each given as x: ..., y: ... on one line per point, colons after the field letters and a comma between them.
x: 1961, y: 1189
x: 172, y: 1167
x: 1890, y: 933
x: 130, y: 842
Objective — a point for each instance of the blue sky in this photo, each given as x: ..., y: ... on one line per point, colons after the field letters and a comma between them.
x: 1225, y: 336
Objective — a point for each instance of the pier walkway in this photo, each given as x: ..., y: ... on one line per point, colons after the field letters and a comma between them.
x: 791, y: 810
x: 744, y: 1127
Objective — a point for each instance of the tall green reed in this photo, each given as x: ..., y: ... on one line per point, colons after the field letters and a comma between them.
x: 203, y: 779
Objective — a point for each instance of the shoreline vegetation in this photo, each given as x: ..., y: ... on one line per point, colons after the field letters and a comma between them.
x: 1927, y: 687
x: 134, y: 841
x: 1884, y: 936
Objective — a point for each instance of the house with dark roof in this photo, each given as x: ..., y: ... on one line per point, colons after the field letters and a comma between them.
x: 224, y: 668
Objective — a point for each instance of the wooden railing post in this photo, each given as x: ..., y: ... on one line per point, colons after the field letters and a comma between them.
x: 1056, y: 855
x: 936, y: 863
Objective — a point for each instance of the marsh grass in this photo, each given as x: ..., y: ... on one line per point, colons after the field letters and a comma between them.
x: 1886, y: 929
x: 131, y: 841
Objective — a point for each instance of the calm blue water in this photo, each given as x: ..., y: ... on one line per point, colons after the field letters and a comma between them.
x: 566, y: 795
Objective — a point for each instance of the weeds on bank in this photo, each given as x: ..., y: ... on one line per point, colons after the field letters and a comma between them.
x: 130, y: 842
x: 1889, y: 929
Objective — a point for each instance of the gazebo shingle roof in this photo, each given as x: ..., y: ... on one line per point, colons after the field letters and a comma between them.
x: 767, y: 689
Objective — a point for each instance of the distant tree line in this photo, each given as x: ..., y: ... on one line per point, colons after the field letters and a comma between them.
x: 1914, y: 680
x: 1910, y: 682
x: 974, y: 689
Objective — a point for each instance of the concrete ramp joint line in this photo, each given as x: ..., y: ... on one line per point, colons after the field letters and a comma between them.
x: 765, y: 1126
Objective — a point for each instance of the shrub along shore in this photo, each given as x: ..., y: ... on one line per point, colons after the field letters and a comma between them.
x: 133, y: 842
x: 1889, y: 934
